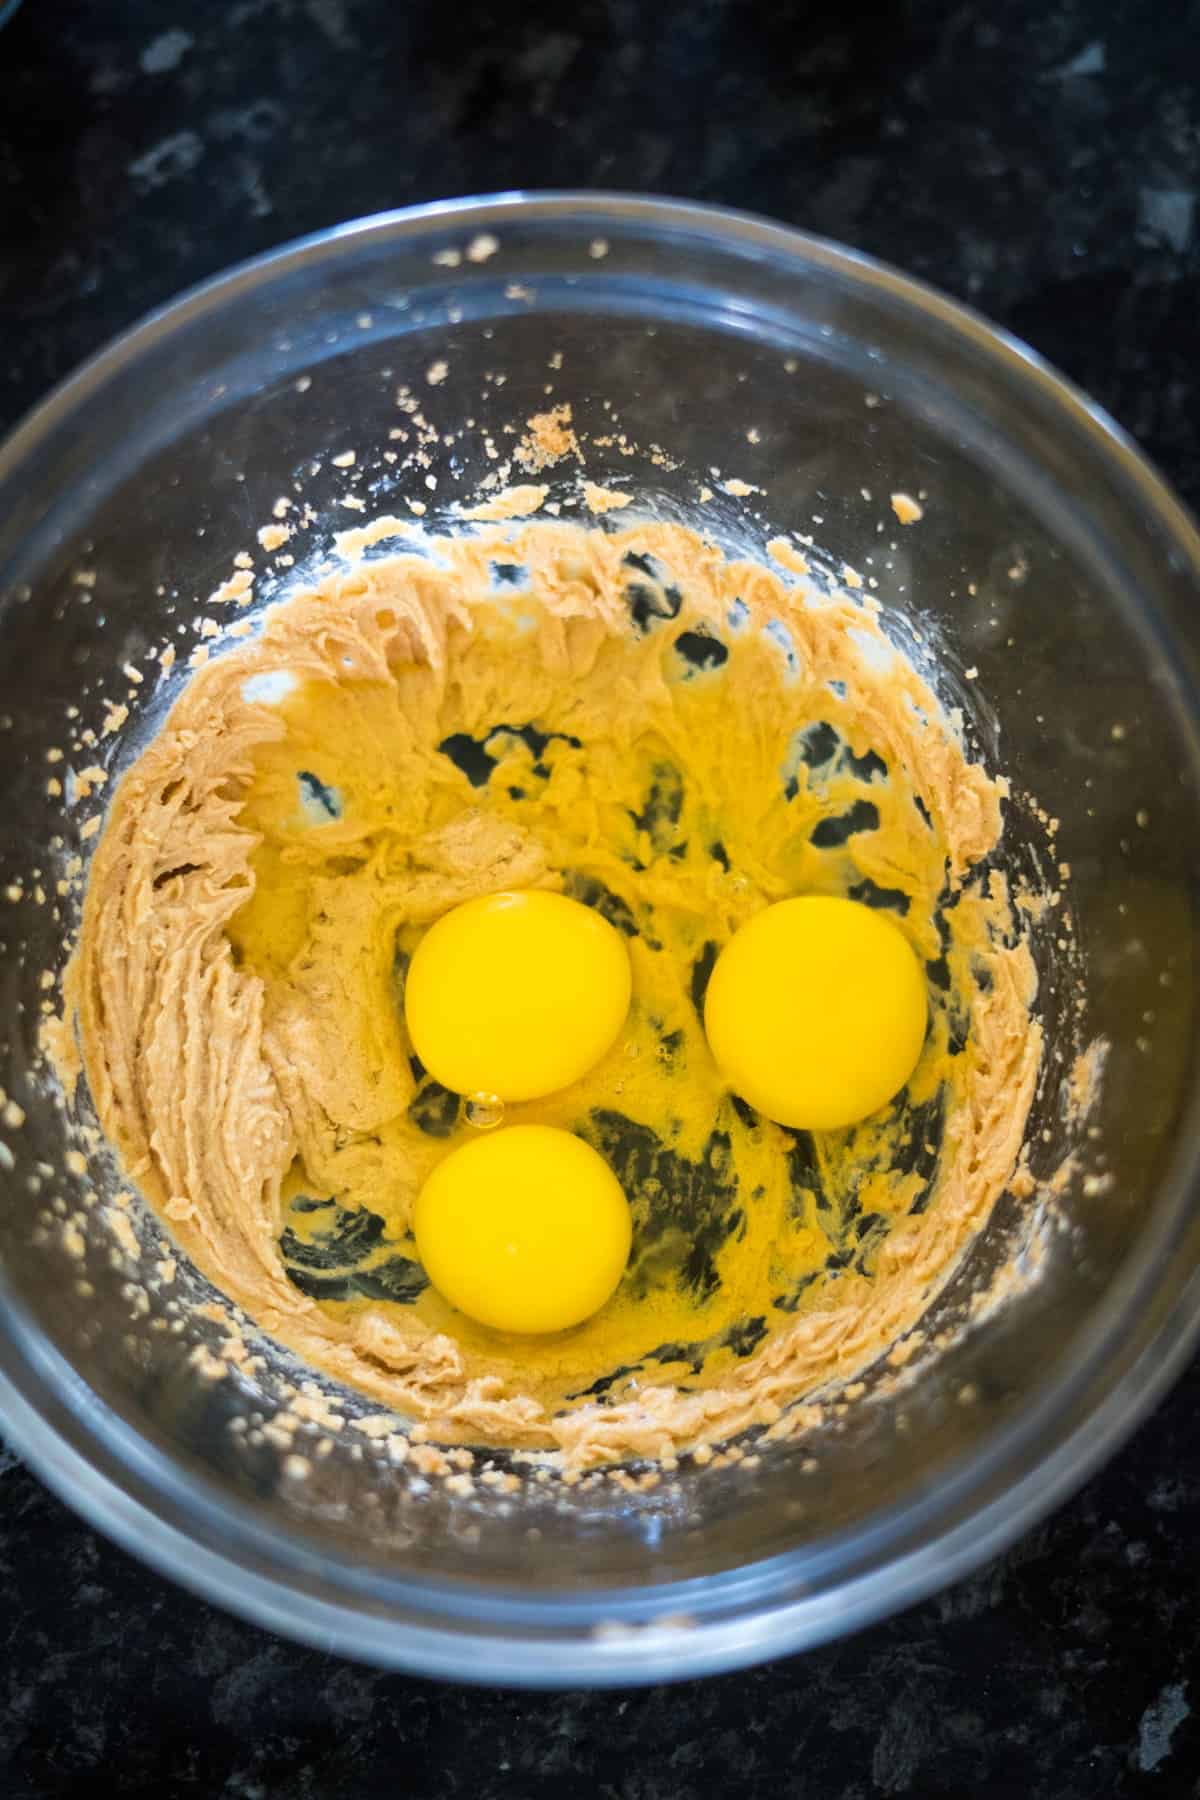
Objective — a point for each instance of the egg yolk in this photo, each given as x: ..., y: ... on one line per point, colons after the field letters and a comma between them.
x: 516, y: 995
x: 816, y: 1012
x: 525, y: 1231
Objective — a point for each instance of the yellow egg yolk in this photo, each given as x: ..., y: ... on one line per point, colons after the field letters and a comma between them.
x: 516, y: 995
x: 816, y: 1012
x: 525, y: 1231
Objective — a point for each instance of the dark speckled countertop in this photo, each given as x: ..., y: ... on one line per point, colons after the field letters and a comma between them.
x: 1039, y: 160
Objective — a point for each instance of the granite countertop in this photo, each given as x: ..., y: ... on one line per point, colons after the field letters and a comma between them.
x: 1041, y: 161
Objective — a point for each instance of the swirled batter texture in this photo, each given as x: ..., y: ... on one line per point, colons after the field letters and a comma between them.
x: 671, y: 736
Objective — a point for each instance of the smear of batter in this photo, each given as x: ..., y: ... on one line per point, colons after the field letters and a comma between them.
x: 672, y: 737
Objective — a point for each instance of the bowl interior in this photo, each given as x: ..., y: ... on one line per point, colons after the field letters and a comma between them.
x: 687, y: 357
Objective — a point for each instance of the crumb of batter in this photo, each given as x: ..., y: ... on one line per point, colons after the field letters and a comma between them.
x: 787, y: 556
x: 906, y: 509
x: 599, y: 499
x: 381, y: 752
x: 237, y: 591
x: 510, y: 503
x: 549, y: 437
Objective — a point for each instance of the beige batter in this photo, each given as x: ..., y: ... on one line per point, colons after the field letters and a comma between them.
x: 673, y: 736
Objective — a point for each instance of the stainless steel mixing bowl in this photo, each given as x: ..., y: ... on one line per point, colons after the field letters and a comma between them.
x: 1051, y: 559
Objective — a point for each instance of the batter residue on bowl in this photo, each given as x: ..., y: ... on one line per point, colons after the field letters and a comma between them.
x: 670, y: 736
